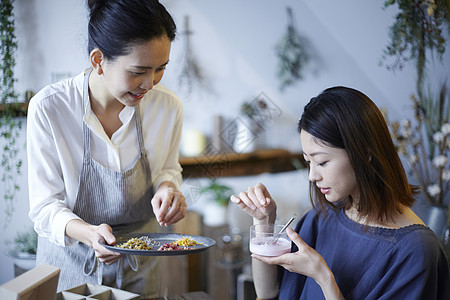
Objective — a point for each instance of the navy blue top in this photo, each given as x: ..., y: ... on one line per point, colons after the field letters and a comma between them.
x: 371, y: 262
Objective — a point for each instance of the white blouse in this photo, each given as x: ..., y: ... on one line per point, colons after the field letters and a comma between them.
x: 55, y: 148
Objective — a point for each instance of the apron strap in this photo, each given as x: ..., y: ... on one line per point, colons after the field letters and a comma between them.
x: 132, y: 262
x: 92, y: 264
x: 139, y: 130
x: 86, y: 135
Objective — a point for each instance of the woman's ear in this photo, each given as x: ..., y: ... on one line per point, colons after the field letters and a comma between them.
x: 96, y: 58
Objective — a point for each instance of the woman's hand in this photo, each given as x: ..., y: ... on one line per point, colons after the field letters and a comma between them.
x: 257, y: 203
x: 308, y: 262
x: 92, y: 235
x: 168, y: 204
x: 103, y: 234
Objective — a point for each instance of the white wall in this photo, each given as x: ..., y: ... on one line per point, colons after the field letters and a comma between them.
x: 234, y: 42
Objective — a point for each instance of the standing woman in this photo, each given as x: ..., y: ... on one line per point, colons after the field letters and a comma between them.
x: 361, y: 240
x: 103, y: 150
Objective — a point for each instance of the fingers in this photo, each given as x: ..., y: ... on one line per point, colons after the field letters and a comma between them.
x: 246, y: 198
x: 254, y: 197
x: 108, y: 259
x: 262, y: 194
x: 176, y: 212
x: 104, y: 235
x: 105, y: 231
x: 169, y: 206
x: 296, y: 239
x: 271, y: 260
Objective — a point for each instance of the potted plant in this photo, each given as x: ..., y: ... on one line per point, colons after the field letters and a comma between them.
x: 216, y: 207
x: 251, y: 125
x: 23, y: 250
x: 10, y: 125
x: 425, y: 145
x: 416, y: 33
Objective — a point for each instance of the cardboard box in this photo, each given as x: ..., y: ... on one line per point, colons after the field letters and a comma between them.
x: 90, y: 291
x: 39, y: 283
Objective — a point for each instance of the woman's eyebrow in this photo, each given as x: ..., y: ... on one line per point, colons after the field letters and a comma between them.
x: 148, y: 68
x: 314, y: 153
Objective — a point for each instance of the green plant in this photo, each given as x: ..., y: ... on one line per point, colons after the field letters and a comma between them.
x: 220, y: 193
x: 418, y: 27
x: 292, y: 54
x: 10, y: 126
x: 25, y: 242
x: 416, y: 33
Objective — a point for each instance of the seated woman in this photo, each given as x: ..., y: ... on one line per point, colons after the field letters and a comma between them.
x: 361, y: 240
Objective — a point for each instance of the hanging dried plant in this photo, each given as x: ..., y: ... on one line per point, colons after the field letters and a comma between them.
x: 292, y: 55
x: 418, y: 31
x: 191, y: 73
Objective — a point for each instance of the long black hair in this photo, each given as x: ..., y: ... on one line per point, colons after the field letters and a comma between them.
x: 116, y: 25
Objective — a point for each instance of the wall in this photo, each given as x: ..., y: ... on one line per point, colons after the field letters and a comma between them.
x: 234, y: 42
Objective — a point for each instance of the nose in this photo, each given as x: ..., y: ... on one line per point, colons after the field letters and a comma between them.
x: 313, y: 175
x: 148, y: 82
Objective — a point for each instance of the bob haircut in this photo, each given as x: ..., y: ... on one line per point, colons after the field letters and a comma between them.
x: 116, y: 25
x: 345, y: 118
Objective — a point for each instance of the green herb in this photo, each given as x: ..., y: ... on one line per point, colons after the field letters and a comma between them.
x: 10, y: 126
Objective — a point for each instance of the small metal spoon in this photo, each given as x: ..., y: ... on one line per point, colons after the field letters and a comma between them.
x: 275, y: 238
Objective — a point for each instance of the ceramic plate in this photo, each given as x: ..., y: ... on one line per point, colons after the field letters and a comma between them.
x: 162, y: 238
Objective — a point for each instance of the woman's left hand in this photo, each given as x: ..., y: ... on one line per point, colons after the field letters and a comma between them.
x: 168, y: 204
x: 305, y: 261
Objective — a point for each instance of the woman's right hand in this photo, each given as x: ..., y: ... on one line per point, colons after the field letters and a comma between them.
x: 103, y: 234
x: 257, y: 203
x: 93, y: 235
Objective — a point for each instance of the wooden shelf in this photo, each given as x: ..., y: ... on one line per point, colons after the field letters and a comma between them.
x: 241, y: 164
x: 20, y: 109
x: 224, y: 164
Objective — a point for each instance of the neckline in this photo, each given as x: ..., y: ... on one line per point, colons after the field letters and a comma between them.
x: 375, y: 230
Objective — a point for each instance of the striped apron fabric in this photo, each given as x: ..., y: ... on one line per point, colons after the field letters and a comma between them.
x: 121, y: 200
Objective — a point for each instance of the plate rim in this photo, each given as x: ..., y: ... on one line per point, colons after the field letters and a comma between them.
x: 156, y: 252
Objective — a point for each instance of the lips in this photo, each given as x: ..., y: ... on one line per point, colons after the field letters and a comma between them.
x: 136, y: 96
x: 324, y: 190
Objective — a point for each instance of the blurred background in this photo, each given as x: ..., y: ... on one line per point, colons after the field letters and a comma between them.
x: 232, y: 44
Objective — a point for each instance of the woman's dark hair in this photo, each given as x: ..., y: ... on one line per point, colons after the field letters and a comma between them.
x: 116, y: 25
x: 345, y: 118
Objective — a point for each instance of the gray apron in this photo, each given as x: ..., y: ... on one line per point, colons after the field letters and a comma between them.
x: 119, y: 199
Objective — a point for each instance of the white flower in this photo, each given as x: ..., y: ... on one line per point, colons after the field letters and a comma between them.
x: 406, y: 132
x: 438, y: 137
x: 440, y: 161
x: 434, y: 190
x: 446, y: 175
x: 445, y: 128
x: 406, y: 123
x: 413, y: 159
